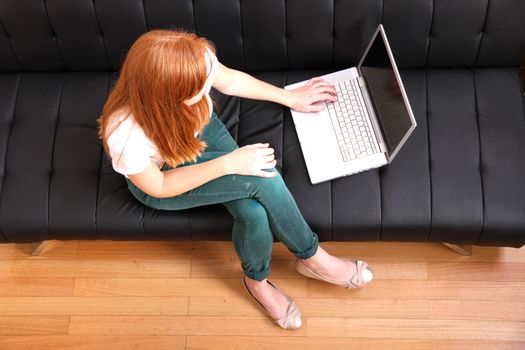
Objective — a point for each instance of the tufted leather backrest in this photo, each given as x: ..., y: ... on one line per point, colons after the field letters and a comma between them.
x: 256, y: 35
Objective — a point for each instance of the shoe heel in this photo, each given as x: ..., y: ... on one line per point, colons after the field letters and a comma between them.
x: 303, y: 270
x: 299, y: 267
x: 292, y: 317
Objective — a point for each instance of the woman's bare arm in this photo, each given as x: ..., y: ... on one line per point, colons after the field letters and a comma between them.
x: 304, y: 99
x: 170, y: 183
x: 246, y: 160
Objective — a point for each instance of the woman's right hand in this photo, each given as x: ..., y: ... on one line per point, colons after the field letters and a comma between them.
x: 250, y: 160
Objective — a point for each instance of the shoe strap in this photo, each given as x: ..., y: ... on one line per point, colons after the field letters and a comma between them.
x: 291, y: 313
x: 357, y: 279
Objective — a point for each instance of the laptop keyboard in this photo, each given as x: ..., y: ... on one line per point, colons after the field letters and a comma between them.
x: 348, y: 119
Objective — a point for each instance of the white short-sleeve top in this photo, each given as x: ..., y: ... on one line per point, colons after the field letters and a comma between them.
x: 131, y: 151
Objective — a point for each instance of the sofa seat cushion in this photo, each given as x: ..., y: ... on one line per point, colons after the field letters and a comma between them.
x: 459, y: 178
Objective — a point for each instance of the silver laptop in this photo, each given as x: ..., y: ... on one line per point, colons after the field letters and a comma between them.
x: 367, y: 125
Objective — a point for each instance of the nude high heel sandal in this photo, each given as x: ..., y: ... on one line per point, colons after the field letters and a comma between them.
x: 363, y: 275
x: 292, y: 317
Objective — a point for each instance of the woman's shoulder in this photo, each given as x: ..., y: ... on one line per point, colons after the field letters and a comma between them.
x: 120, y: 115
x: 124, y: 128
x: 211, y: 64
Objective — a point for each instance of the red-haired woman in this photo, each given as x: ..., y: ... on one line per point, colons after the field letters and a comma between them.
x: 160, y: 131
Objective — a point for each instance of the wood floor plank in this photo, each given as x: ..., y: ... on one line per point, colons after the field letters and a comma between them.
x: 475, y: 345
x: 146, y: 250
x: 26, y: 325
x: 36, y: 286
x: 476, y: 271
x: 178, y: 325
x: 5, y: 267
x: 96, y: 268
x: 61, y: 250
x: 196, y: 342
x: 92, y: 342
x: 477, y: 310
x: 93, y: 306
x: 417, y: 328
x: 9, y: 250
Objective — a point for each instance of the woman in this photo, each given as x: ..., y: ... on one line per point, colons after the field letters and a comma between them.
x: 160, y: 131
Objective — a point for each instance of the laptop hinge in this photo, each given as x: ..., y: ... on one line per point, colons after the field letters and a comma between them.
x: 372, y: 113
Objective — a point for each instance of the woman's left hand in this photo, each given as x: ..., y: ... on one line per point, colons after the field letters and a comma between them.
x: 311, y: 97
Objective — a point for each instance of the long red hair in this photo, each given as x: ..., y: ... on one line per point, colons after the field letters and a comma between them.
x: 161, y: 70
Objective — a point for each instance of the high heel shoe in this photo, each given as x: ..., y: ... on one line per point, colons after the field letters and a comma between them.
x: 292, y: 317
x: 363, y: 275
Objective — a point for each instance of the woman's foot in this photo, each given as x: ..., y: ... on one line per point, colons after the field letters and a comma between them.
x: 275, y: 302
x: 330, y: 267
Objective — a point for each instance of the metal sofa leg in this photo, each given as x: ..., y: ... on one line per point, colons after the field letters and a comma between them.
x: 38, y: 248
x: 465, y: 249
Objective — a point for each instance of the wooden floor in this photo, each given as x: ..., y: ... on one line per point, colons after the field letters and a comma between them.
x: 189, y: 295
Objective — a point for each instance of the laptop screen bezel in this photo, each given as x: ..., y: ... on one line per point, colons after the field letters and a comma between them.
x: 380, y: 30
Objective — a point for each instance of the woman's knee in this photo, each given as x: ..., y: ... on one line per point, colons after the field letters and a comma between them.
x: 266, y: 185
x: 247, y: 210
x: 251, y: 224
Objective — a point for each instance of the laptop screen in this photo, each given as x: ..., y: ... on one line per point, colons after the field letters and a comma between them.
x: 385, y: 93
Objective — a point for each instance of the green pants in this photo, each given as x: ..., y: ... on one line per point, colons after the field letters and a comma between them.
x: 258, y: 205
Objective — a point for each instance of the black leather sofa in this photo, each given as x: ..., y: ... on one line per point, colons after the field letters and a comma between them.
x: 460, y: 178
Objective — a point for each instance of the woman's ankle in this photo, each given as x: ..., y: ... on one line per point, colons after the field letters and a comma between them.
x: 255, y: 283
x: 318, y: 259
